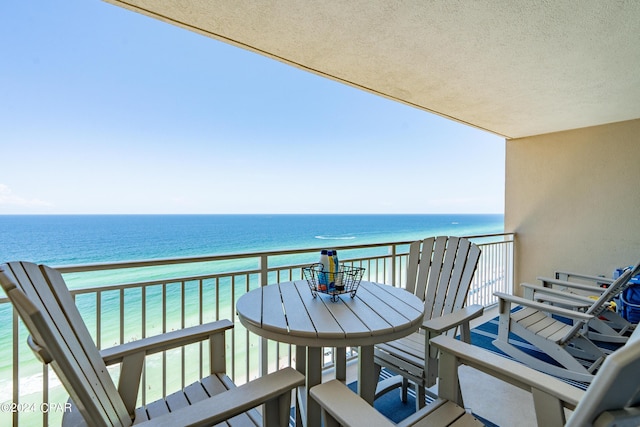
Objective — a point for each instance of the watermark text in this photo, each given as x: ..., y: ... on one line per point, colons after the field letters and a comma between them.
x: 44, y: 407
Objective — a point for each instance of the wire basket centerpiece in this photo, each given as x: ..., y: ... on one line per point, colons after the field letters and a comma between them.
x: 344, y: 281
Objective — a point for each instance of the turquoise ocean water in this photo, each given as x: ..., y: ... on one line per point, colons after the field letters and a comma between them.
x: 82, y: 239
x: 79, y: 239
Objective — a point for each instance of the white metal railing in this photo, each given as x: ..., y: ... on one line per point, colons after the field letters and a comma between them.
x: 176, y: 293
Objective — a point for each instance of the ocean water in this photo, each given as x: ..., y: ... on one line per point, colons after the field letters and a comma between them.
x: 62, y: 240
x: 59, y: 240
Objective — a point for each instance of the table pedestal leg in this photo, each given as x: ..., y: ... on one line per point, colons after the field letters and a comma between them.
x: 366, y: 372
x: 301, y: 366
x: 309, y: 363
x: 341, y: 363
x: 314, y: 377
x: 301, y: 359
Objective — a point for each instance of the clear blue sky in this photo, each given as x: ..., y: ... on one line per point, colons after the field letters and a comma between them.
x: 103, y: 110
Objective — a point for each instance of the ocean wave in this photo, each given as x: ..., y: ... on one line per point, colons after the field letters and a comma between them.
x: 31, y: 384
x: 335, y: 237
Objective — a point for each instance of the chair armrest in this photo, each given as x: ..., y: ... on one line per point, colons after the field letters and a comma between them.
x: 344, y: 407
x: 509, y: 371
x: 132, y: 354
x: 340, y: 404
x: 543, y: 307
x: 216, y: 409
x: 597, y: 279
x: 565, y: 297
x: 547, y: 281
x: 449, y: 321
x: 169, y: 340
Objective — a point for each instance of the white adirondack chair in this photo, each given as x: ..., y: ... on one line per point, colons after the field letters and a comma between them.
x: 59, y: 337
x: 612, y: 399
x: 609, y: 326
x: 439, y: 271
x: 578, y: 357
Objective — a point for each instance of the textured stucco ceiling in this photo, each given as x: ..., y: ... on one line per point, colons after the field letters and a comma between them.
x: 515, y: 68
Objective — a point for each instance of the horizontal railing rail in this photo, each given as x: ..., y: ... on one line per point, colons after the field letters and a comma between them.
x: 125, y: 301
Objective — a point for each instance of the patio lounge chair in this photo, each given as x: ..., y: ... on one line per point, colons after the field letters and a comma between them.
x: 612, y: 399
x: 59, y: 337
x: 609, y: 326
x: 440, y: 274
x: 576, y: 355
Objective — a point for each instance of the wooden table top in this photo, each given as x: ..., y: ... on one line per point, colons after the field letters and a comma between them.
x: 288, y: 312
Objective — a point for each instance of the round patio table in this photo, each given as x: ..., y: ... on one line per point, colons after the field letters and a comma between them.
x: 289, y: 313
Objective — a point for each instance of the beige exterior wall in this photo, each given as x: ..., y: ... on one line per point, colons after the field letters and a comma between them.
x: 573, y: 198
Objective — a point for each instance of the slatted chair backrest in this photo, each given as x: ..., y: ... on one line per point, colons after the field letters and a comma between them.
x: 601, y: 304
x: 614, y: 391
x: 614, y: 289
x: 60, y: 337
x: 440, y: 273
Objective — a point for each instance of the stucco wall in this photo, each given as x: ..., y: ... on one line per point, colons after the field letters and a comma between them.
x: 573, y: 198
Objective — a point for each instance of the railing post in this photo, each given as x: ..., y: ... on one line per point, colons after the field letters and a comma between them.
x: 511, y: 264
x: 264, y: 269
x: 15, y: 358
x: 394, y: 253
x: 263, y: 344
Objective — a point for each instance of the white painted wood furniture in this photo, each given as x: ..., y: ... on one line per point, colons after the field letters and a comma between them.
x: 59, y: 337
x: 568, y: 344
x: 439, y: 271
x: 565, y: 291
x: 288, y: 313
x: 612, y: 399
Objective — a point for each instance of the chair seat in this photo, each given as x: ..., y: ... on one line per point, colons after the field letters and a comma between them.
x: 405, y: 354
x: 196, y: 392
x: 608, y: 325
x: 200, y: 390
x: 446, y: 413
x: 542, y: 325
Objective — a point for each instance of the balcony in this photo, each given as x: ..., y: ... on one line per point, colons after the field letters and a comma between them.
x: 122, y: 302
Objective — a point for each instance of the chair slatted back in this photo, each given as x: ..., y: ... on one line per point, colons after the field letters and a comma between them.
x: 445, y: 269
x: 47, y: 309
x: 614, y: 388
x: 600, y: 305
x: 430, y: 272
x: 614, y: 289
x: 412, y: 268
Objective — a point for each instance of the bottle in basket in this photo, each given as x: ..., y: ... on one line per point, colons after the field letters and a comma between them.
x: 339, y: 278
x: 331, y: 279
x: 324, y: 268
